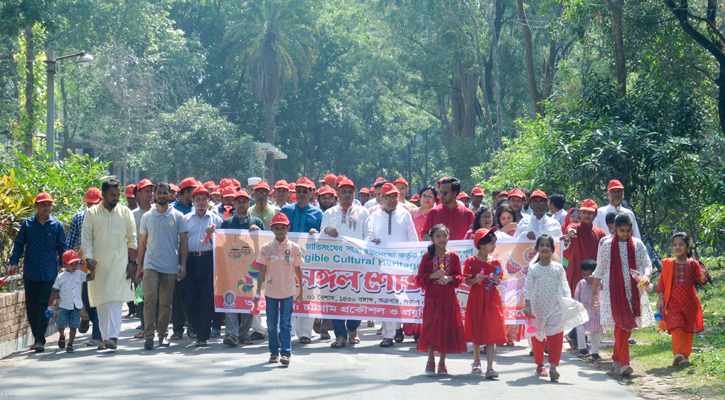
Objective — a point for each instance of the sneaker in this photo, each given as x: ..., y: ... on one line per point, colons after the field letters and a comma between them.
x: 596, y: 357
x: 163, y: 342
x: 632, y: 341
x: 149, y: 344
x: 491, y: 374
x: 553, y: 374
x: 541, y: 371
x: 626, y: 370
x: 230, y: 341
x: 39, y: 347
x: 442, y: 370
x: 274, y: 358
x: 678, y: 359
x: 284, y: 360
x: 583, y: 353
x: 430, y: 368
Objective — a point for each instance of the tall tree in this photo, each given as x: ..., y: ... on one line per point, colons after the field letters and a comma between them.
x: 281, y: 49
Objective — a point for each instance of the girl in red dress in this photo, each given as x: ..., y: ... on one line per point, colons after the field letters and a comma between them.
x: 439, y: 275
x: 678, y: 299
x: 485, y: 324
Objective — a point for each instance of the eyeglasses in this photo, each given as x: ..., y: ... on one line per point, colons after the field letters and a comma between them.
x: 444, y: 193
x: 302, y: 191
x: 427, y: 196
x: 390, y: 197
x: 486, y: 217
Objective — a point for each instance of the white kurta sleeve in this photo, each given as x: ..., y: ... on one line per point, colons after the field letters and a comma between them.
x: 87, y: 235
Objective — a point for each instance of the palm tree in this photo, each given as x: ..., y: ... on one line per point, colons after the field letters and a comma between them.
x: 281, y: 49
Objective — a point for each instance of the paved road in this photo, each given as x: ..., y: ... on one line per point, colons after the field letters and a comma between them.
x: 316, y: 372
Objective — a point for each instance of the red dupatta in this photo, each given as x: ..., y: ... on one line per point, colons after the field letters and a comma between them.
x: 622, y: 314
x: 567, y: 222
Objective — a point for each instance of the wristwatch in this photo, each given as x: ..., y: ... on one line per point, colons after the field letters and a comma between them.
x: 257, y: 296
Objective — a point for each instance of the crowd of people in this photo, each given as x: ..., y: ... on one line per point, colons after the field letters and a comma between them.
x: 155, y: 254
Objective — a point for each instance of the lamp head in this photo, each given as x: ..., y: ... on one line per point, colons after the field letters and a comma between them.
x: 84, y: 59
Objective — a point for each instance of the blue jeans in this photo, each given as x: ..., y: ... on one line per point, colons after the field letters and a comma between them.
x: 279, y: 311
x: 341, y: 329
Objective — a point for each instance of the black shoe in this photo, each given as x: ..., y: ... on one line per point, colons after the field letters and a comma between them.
x: 632, y: 341
x: 596, y: 357
x: 162, y: 343
x: 149, y: 344
x: 256, y: 336
x: 531, y: 353
x: 583, y: 353
x: 85, y: 324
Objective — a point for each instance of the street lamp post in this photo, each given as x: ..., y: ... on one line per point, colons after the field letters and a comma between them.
x: 83, y: 59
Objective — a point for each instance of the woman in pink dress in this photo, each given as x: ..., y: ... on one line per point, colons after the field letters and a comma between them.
x: 482, y: 220
x: 428, y: 197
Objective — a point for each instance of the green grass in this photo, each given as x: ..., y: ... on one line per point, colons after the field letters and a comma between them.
x: 706, y: 372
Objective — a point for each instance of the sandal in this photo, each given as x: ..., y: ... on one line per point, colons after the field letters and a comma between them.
x: 214, y: 333
x: 379, y: 332
x: 305, y: 340
x: 200, y: 343
x: 140, y: 335
x: 192, y: 335
x: 325, y: 335
x: 338, y: 343
x: 274, y: 358
x: 257, y: 336
x: 246, y: 341
x: 387, y: 343
x: 61, y: 343
x: 371, y: 324
x: 476, y: 368
x: 491, y: 374
x: 177, y: 336
x: 399, y: 337
x: 352, y: 337
x: 69, y: 349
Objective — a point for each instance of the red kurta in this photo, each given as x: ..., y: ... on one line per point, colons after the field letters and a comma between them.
x: 584, y: 246
x: 485, y: 323
x: 442, y: 323
x: 682, y: 306
x: 458, y: 220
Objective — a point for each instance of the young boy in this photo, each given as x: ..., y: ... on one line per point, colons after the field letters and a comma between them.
x: 583, y: 294
x: 280, y: 262
x: 68, y: 286
x: 609, y: 219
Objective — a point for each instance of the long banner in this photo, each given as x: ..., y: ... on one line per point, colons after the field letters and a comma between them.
x: 345, y: 278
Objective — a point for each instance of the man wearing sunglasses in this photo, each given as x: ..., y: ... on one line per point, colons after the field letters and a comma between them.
x: 453, y: 214
x: 304, y: 218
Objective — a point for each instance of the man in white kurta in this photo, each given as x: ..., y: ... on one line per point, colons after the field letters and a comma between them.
x: 109, y: 243
x: 353, y: 221
x: 615, y: 193
x: 538, y: 223
x: 392, y: 223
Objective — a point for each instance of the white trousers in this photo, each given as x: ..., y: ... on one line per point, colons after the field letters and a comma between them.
x: 581, y: 339
x: 389, y: 329
x: 257, y: 325
x: 109, y: 319
x: 302, y: 327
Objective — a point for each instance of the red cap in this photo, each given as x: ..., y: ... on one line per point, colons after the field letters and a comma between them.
x: 144, y: 183
x: 539, y: 193
x: 481, y: 233
x: 477, y: 191
x: 282, y: 185
x: 209, y: 184
x: 241, y: 193
x: 174, y: 187
x: 329, y: 178
x: 441, y: 180
x: 340, y: 179
x: 305, y: 182
x: 225, y: 182
x: 389, y: 188
x: 293, y: 197
x: 401, y: 180
x: 588, y: 205
x: 262, y: 185
x: 292, y: 186
x: 326, y: 190
x: 228, y: 191
x: 364, y: 190
x: 346, y: 182
x: 279, y: 218
x: 463, y: 195
x: 236, y: 183
x: 615, y: 184
x: 216, y: 190
x: 415, y: 197
x: 199, y: 190
x: 70, y: 256
x: 93, y: 196
x: 187, y: 182
x: 380, y: 179
x: 503, y: 194
x: 517, y: 193
x: 44, y: 197
x: 129, y: 191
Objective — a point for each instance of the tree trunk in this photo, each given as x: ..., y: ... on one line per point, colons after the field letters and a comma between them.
x: 66, y: 134
x: 29, y: 128
x: 721, y: 96
x: 615, y: 10
x: 269, y: 164
x: 536, y: 108
x: 496, y: 25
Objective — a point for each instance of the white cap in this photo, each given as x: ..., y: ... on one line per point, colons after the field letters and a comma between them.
x: 253, y: 181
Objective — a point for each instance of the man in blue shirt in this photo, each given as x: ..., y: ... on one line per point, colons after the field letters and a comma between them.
x: 93, y: 197
x: 42, y: 238
x: 183, y: 203
x: 303, y: 217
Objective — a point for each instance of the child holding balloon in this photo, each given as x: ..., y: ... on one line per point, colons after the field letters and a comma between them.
x: 550, y: 307
x: 485, y: 323
x: 439, y: 275
x: 68, y: 286
x: 678, y: 302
